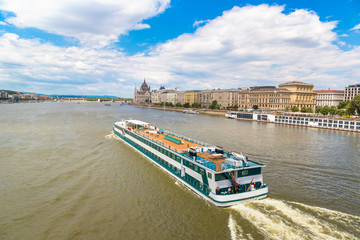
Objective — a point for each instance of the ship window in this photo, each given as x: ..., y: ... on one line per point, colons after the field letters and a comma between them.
x: 340, y: 126
x: 209, y: 175
x: 202, y: 170
x: 249, y: 172
x: 190, y: 165
x: 220, y: 177
x: 352, y: 123
x: 178, y: 159
x: 196, y: 168
x: 201, y: 186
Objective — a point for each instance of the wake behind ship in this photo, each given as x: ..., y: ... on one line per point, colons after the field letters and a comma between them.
x: 222, y: 177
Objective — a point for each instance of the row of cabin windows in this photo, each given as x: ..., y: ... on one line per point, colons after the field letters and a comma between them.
x: 318, y: 120
x: 159, y: 159
x: 292, y: 118
x: 168, y: 153
x: 324, y: 124
x: 240, y: 173
x: 339, y: 126
x: 290, y: 121
x: 245, y: 115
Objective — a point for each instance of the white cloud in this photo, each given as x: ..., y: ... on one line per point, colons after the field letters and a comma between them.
x: 252, y: 45
x: 260, y: 43
x: 94, y: 22
x: 357, y: 27
x: 198, y: 23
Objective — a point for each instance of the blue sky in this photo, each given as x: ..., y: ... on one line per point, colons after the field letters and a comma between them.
x: 106, y: 47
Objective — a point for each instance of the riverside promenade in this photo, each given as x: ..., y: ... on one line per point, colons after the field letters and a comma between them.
x: 216, y: 112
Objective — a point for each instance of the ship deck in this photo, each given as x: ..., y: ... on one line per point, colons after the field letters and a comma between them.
x: 170, y: 142
x: 181, y: 145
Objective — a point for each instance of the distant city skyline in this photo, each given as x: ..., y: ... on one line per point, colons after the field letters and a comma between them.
x: 105, y: 48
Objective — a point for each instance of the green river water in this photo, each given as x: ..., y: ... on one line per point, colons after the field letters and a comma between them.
x: 63, y: 175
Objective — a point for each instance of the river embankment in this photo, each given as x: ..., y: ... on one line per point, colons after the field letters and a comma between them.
x: 216, y: 112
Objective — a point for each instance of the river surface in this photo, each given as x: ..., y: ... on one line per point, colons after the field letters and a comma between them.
x: 63, y: 175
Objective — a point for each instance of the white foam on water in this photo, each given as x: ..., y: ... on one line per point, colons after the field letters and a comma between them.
x: 334, y: 215
x: 276, y: 219
x: 110, y: 136
x: 236, y: 231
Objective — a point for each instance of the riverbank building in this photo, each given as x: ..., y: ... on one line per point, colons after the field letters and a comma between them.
x: 142, y: 96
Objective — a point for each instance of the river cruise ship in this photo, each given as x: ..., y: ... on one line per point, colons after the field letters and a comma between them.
x: 222, y: 177
x: 299, y: 119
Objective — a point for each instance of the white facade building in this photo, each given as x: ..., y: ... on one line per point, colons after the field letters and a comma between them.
x: 168, y: 95
x: 328, y: 97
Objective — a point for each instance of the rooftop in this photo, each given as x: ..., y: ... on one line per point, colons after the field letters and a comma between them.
x: 329, y: 91
x: 296, y: 83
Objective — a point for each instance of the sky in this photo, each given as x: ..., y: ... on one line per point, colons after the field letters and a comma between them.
x: 106, y: 47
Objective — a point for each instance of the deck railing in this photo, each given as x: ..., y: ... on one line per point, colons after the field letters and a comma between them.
x: 188, y: 139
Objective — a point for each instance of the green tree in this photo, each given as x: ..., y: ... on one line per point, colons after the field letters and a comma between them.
x: 178, y: 105
x: 342, y: 104
x: 309, y: 110
x: 287, y: 109
x: 162, y: 104
x: 318, y: 109
x: 354, y: 105
x: 186, y: 105
x: 214, y: 105
x: 341, y: 112
x: 196, y: 105
x: 325, y: 110
x: 294, y: 109
x: 333, y: 110
x: 303, y: 110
